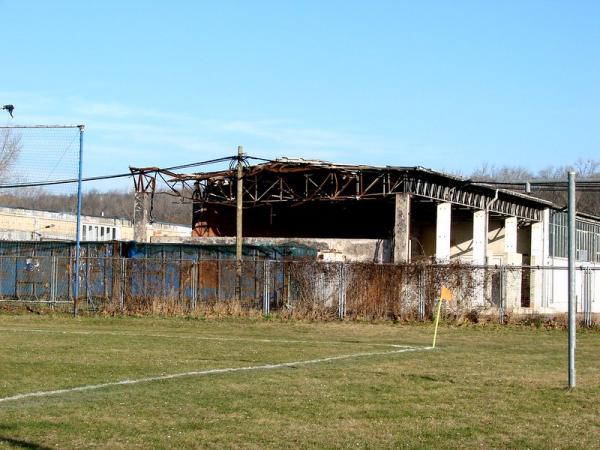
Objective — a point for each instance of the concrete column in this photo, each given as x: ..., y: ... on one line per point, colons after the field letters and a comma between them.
x: 546, y: 224
x: 512, y: 258
x: 540, y: 249
x: 537, y: 243
x: 537, y: 256
x: 402, y: 229
x: 141, y: 215
x: 480, y: 227
x: 513, y: 281
x: 442, y: 232
x: 546, y: 275
x: 510, y: 235
x: 479, y: 237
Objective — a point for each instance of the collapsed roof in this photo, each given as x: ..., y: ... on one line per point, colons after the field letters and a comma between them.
x: 298, y: 181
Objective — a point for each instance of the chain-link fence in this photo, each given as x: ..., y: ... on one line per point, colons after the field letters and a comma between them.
x: 296, y: 288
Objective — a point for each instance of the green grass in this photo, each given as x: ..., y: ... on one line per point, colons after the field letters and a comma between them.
x: 485, y: 387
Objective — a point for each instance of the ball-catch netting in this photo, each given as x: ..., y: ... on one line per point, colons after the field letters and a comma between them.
x: 39, y: 167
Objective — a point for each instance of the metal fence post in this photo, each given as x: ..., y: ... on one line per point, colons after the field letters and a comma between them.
x: 218, y: 287
x: 123, y: 281
x: 199, y: 282
x: 421, y: 295
x: 194, y: 285
x: 342, y: 292
x: 16, y: 284
x: 501, y: 308
x: 587, y: 298
x: 266, y: 287
x: 87, y: 280
x: 53, y: 279
x: 572, y: 242
x: 288, y: 284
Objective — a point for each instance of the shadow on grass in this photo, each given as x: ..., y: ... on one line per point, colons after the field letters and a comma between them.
x: 22, y: 444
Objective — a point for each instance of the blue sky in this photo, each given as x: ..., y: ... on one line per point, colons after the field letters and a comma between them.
x: 448, y: 85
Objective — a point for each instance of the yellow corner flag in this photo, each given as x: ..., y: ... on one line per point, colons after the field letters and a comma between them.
x: 445, y: 295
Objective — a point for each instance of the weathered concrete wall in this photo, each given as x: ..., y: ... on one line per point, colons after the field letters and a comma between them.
x: 422, y: 241
x: 12, y: 235
x: 495, y: 236
x: 35, y: 223
x: 461, y: 240
x: 357, y: 250
x: 524, y: 241
x: 402, y: 229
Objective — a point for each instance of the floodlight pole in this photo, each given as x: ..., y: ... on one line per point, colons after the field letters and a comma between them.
x: 78, y: 222
x: 572, y: 328
x: 238, y: 224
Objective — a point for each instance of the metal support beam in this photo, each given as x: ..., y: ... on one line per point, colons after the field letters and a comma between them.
x: 297, y: 185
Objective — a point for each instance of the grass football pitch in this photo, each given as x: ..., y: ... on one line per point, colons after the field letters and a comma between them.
x: 140, y: 382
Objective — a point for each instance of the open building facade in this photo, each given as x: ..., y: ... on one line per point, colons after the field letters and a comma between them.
x: 404, y: 215
x: 407, y: 223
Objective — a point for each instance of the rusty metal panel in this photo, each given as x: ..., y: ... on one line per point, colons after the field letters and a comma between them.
x: 97, y: 281
x: 32, y: 277
x: 8, y: 276
x: 208, y: 280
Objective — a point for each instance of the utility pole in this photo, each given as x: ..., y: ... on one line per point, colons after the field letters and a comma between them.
x: 238, y: 223
x: 572, y: 258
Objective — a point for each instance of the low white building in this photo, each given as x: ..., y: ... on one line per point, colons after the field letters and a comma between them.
x: 20, y: 224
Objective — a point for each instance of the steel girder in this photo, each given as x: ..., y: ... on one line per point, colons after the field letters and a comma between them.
x: 263, y: 187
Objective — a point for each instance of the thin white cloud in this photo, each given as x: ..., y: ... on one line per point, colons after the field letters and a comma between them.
x: 180, y: 129
x: 119, y: 135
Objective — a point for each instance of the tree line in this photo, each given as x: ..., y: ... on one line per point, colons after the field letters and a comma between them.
x: 113, y: 204
x: 586, y: 169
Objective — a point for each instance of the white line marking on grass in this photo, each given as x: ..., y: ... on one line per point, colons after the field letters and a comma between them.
x: 205, y: 338
x: 92, y: 387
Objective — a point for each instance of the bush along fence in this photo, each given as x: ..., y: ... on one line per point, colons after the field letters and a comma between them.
x: 307, y: 289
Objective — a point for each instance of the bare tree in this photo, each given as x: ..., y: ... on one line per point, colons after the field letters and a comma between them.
x: 505, y: 173
x: 10, y: 148
x: 587, y: 169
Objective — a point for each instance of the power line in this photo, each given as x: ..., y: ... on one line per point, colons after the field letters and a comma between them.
x: 543, y: 185
x: 68, y: 181
x: 538, y: 185
x: 118, y: 175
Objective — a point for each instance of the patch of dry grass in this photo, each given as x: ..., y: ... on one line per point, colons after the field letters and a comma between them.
x: 486, y: 386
